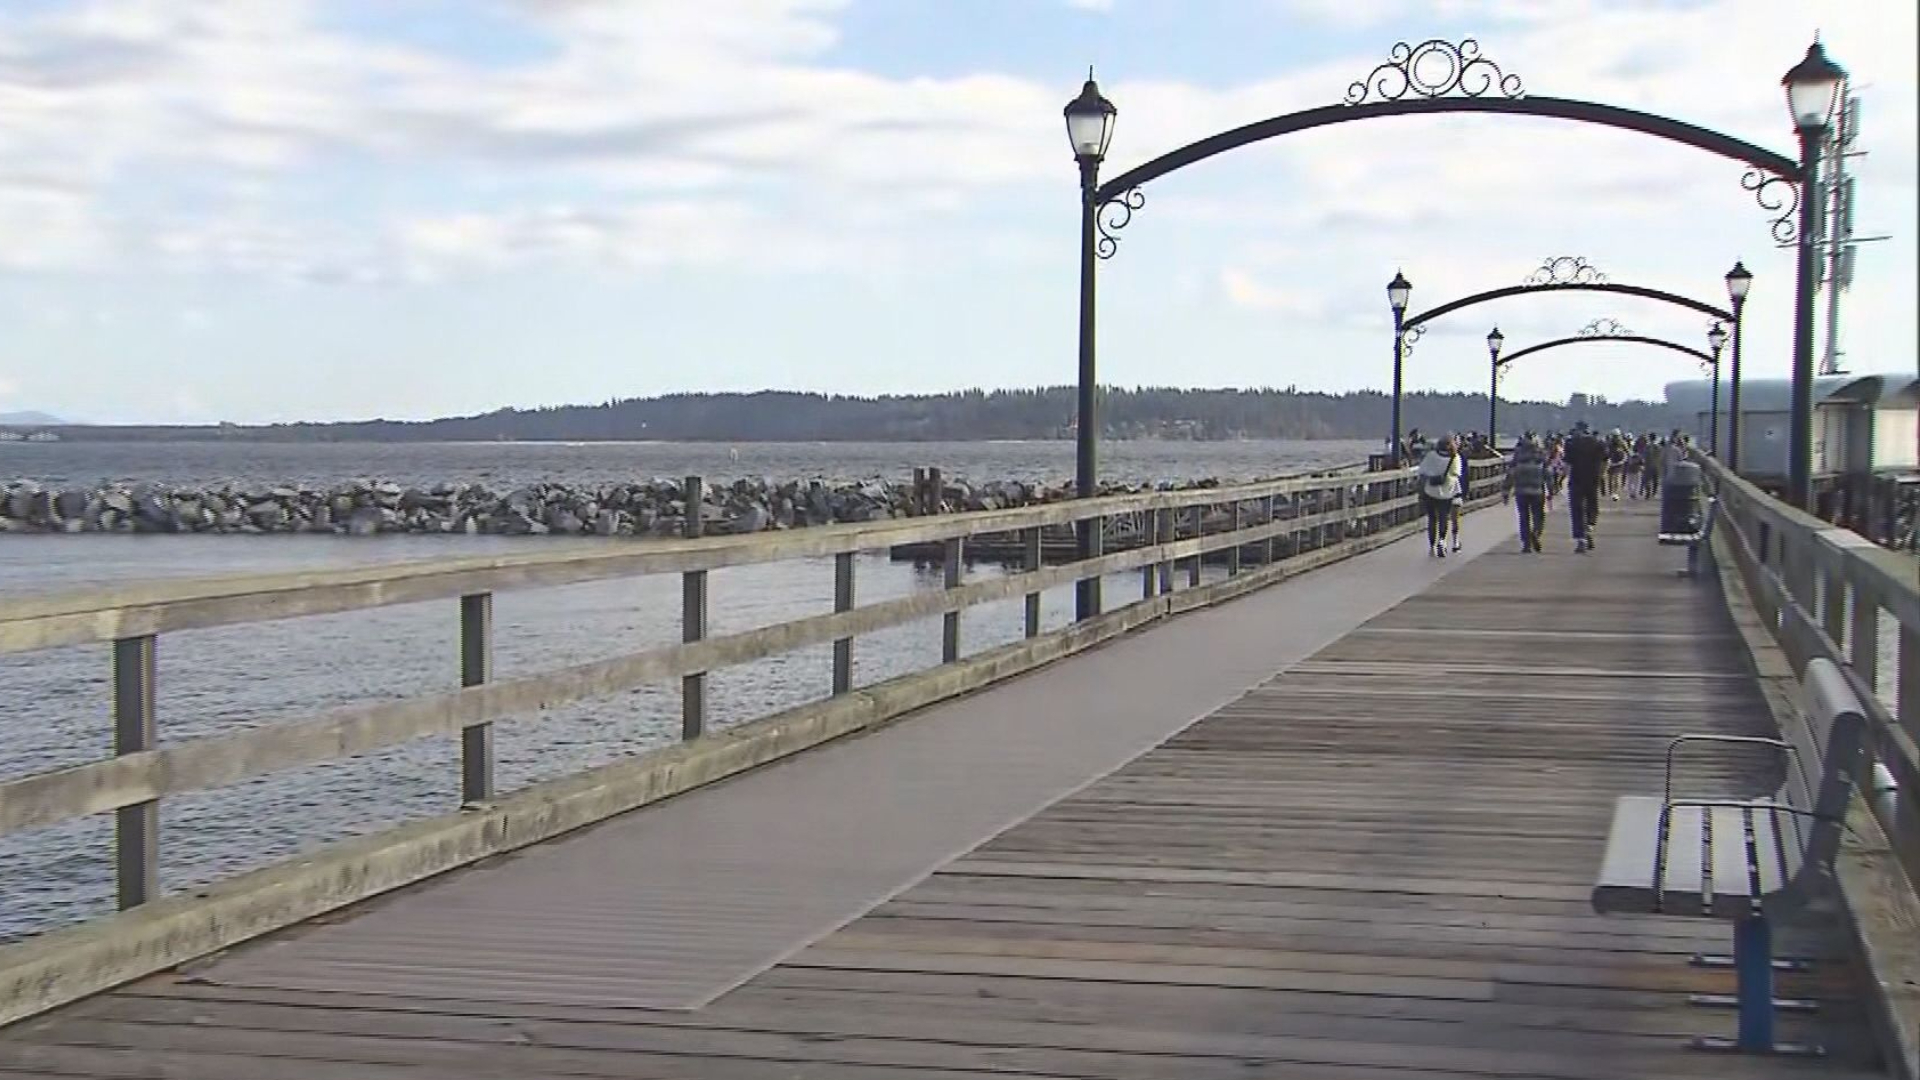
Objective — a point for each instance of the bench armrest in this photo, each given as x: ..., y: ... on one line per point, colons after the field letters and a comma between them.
x: 1746, y: 804
x: 1753, y: 804
x: 1666, y: 785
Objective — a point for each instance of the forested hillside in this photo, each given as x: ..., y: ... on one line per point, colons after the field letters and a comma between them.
x: 782, y: 416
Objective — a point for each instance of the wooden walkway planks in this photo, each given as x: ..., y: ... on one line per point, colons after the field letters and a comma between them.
x: 1374, y: 865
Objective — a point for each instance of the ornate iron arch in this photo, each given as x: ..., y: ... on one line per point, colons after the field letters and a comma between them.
x: 1599, y: 285
x: 1591, y: 339
x: 1409, y: 84
x: 1561, y: 273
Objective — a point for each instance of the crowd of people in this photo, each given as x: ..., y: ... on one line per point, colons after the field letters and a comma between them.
x: 1583, y: 465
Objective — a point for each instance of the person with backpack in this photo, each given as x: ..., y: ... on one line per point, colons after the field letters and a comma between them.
x: 1526, y: 483
x: 1439, y: 476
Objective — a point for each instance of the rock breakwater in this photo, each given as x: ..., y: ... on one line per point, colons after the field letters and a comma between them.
x: 368, y: 508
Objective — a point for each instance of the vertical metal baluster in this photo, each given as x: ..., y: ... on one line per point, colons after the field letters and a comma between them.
x: 1199, y: 530
x: 1031, y: 540
x: 1163, y: 532
x: 1234, y: 522
x: 1270, y: 548
x: 476, y: 667
x: 843, y: 601
x: 950, y: 623
x: 137, y: 827
x: 693, y: 620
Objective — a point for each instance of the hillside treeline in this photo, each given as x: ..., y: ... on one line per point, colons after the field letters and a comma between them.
x: 784, y: 416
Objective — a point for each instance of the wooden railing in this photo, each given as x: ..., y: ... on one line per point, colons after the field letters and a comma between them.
x: 1281, y: 520
x: 1826, y: 591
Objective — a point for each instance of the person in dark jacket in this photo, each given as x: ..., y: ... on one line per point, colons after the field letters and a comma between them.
x: 1587, y: 462
x: 1527, y: 483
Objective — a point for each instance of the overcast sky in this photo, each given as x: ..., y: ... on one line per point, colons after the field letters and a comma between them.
x: 285, y: 209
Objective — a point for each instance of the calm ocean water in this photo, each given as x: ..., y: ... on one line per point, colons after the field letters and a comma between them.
x: 507, y: 464
x: 54, y: 704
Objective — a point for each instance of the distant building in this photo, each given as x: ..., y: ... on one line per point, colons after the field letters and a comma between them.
x: 1861, y: 423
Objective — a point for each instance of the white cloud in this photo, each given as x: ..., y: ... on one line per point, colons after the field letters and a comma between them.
x: 174, y: 139
x: 1101, y: 6
x: 1243, y: 290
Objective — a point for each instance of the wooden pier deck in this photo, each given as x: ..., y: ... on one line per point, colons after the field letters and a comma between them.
x: 1374, y: 864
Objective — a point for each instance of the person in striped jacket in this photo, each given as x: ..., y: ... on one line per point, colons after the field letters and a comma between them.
x: 1526, y: 484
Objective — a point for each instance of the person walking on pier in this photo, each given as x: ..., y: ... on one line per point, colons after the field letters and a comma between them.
x: 1616, y: 475
x: 1439, y: 476
x: 1527, y: 483
x: 1587, y: 467
x: 1635, y: 470
x: 1459, y: 508
x: 1556, y: 467
x: 1413, y: 448
x: 1656, y: 455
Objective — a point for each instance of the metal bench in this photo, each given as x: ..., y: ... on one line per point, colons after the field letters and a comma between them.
x: 1748, y: 861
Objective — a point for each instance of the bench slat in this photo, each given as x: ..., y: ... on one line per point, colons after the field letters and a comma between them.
x: 1685, y: 877
x: 1732, y: 883
x: 1626, y: 872
x: 1771, y: 855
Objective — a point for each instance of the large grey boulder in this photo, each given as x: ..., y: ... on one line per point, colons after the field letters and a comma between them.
x: 366, y: 521
x: 751, y: 519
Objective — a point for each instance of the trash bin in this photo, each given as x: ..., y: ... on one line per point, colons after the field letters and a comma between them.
x: 1680, y: 501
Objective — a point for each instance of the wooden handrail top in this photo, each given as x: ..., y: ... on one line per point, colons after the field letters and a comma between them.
x: 81, y: 616
x: 1892, y: 578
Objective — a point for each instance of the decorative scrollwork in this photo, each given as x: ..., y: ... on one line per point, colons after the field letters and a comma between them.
x: 1409, y: 336
x: 1434, y: 68
x: 1114, y: 215
x: 1782, y: 205
x: 1565, y: 270
x: 1604, y: 327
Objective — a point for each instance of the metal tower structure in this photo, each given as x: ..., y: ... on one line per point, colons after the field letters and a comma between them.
x: 1833, y: 221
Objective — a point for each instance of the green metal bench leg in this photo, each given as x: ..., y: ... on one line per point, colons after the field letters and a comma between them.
x: 1753, y: 968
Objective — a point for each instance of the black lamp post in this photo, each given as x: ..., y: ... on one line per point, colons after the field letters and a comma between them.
x: 1813, y: 86
x: 1716, y: 340
x: 1739, y: 281
x: 1089, y: 129
x: 1494, y: 341
x: 1399, y: 291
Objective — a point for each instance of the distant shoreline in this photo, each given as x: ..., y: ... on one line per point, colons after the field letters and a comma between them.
x: 1042, y: 415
